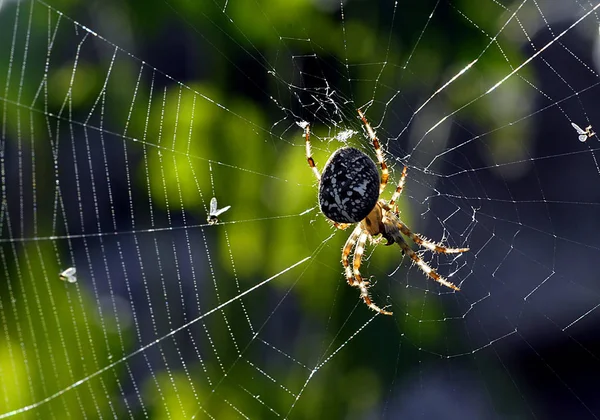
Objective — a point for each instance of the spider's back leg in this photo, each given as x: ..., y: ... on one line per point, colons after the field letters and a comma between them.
x: 425, y: 243
x: 346, y: 253
x: 362, y: 285
x: 430, y: 272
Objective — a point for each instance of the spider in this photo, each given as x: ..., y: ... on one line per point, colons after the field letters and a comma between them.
x: 349, y: 193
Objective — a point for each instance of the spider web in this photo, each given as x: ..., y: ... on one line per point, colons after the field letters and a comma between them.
x: 120, y: 123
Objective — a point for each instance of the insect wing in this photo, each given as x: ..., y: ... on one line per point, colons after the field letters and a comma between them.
x: 578, y: 129
x: 220, y: 211
x: 213, y: 206
x: 71, y: 271
x: 69, y: 275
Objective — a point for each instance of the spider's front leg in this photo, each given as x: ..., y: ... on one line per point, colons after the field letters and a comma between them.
x: 385, y: 173
x: 313, y: 166
x: 309, y: 158
x: 392, y: 204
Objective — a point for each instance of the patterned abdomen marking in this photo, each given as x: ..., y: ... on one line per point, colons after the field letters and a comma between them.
x: 349, y: 187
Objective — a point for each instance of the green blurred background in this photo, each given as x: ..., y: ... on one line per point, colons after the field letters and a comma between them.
x: 114, y: 143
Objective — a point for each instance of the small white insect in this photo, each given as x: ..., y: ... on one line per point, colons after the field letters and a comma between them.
x: 302, y: 124
x: 345, y: 135
x: 583, y: 134
x: 69, y: 275
x: 213, y: 214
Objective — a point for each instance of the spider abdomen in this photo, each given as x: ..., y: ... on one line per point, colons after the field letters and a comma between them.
x: 349, y: 187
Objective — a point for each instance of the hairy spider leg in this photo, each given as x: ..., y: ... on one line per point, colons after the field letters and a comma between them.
x: 362, y: 285
x: 425, y: 243
x: 417, y: 238
x: 398, y: 191
x: 422, y: 264
x: 313, y: 166
x: 346, y: 253
x: 385, y: 173
x: 309, y: 158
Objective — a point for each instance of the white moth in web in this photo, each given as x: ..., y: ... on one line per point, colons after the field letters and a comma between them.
x: 214, y: 212
x: 68, y: 275
x: 583, y: 134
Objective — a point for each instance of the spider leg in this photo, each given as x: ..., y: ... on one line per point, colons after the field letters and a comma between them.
x: 385, y: 174
x: 358, y: 280
x: 357, y: 260
x: 425, y: 243
x: 423, y: 265
x: 313, y: 166
x: 346, y: 252
x: 398, y: 191
x: 309, y: 158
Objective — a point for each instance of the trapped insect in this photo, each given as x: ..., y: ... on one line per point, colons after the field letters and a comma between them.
x: 350, y: 191
x: 583, y: 134
x: 68, y: 275
x: 214, y: 212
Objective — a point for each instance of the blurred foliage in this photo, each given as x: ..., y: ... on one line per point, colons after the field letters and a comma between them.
x: 188, y: 148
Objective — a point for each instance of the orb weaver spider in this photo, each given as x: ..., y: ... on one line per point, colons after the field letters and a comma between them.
x: 350, y: 191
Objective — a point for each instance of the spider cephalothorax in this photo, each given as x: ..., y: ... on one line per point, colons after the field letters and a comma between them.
x: 349, y: 192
